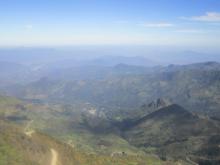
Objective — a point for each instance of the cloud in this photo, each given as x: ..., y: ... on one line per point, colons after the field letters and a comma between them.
x: 28, y: 27
x: 157, y: 25
x: 208, y: 17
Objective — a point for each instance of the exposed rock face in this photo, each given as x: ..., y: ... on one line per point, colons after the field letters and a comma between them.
x: 155, y: 105
x: 159, y: 103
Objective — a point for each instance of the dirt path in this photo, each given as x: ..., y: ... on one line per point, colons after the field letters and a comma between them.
x: 27, y: 130
x: 29, y: 133
x: 190, y: 161
x: 54, y: 157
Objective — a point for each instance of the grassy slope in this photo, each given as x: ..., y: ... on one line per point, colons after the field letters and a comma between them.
x: 19, y: 149
x: 51, y: 120
x: 16, y: 148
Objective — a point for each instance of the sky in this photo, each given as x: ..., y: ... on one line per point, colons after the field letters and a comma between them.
x: 186, y: 23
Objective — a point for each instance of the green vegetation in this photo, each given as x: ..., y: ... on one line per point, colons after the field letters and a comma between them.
x: 8, y: 155
x: 19, y: 149
x: 16, y: 148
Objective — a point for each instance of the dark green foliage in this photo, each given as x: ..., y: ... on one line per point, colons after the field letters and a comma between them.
x: 176, y: 133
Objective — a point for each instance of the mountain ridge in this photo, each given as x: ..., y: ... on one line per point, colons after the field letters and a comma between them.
x: 173, y: 126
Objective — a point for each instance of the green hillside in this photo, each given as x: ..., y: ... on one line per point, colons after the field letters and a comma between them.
x: 194, y: 87
x: 17, y: 148
x: 173, y: 128
x: 21, y: 144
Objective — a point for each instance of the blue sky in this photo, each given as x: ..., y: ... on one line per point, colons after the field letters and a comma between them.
x: 120, y: 22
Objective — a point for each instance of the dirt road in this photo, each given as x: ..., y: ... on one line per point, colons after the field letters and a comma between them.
x: 54, y: 157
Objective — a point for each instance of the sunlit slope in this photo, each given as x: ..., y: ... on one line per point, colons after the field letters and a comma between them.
x: 66, y: 124
x: 17, y: 148
x: 22, y: 144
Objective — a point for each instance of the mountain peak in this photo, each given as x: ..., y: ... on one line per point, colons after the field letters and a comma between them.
x: 171, y: 109
x: 159, y: 103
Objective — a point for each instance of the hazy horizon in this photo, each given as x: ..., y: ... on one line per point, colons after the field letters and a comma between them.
x: 178, y: 32
x: 155, y: 55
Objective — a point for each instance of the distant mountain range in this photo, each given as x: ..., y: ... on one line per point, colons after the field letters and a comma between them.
x: 106, y: 55
x: 193, y: 86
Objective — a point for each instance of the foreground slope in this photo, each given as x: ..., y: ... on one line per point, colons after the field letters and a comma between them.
x: 39, y: 149
x: 21, y: 145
